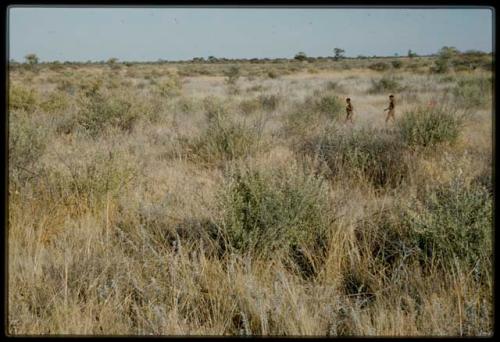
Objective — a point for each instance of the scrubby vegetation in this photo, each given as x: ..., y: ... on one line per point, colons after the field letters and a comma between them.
x: 370, y: 154
x: 272, y: 211
x: 426, y: 127
x: 221, y: 197
x: 385, y: 85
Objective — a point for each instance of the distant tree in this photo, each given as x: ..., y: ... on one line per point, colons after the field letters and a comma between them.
x: 448, y: 52
x: 112, y: 60
x: 212, y: 59
x: 445, y: 54
x: 339, y: 53
x: 31, y: 59
x: 301, y: 56
x: 411, y: 54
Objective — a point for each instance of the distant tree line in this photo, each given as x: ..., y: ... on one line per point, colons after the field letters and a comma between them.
x: 446, y: 57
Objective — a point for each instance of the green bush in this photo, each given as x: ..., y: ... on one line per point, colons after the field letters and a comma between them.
x: 215, y: 108
x: 271, y: 211
x: 170, y: 87
x: 272, y: 74
x: 27, y: 142
x: 449, y: 224
x: 21, y: 98
x: 55, y: 103
x: 91, y: 178
x: 313, y: 112
x: 397, y: 64
x: 372, y: 154
x: 471, y: 60
x: 385, y: 84
x: 379, y: 66
x: 456, y: 222
x: 424, y: 126
x: 67, y: 85
x: 441, y: 65
x: 98, y: 110
x: 223, y: 139
x: 473, y: 92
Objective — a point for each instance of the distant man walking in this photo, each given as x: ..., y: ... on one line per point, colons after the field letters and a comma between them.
x: 391, y: 109
x: 349, y: 111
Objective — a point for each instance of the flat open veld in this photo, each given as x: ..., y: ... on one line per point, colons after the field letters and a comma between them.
x: 233, y: 198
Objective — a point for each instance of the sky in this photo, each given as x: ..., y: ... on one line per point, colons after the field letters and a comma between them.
x: 149, y: 34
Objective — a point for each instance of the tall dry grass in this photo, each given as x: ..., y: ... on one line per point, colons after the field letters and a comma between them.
x: 152, y: 201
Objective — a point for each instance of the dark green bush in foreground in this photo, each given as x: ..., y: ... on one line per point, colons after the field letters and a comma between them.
x: 424, y: 126
x: 448, y: 226
x: 275, y: 210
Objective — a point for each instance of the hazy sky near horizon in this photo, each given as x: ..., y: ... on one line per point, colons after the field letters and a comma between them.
x: 149, y: 34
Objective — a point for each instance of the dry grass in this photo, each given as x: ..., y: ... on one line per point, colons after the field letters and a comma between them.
x: 150, y: 204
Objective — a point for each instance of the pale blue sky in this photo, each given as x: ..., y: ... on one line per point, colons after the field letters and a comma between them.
x: 142, y: 34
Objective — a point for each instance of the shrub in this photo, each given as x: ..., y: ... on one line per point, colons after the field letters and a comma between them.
x: 223, y: 139
x: 385, y: 84
x: 232, y: 75
x: 21, y: 98
x: 67, y: 85
x: 272, y: 74
x: 97, y: 110
x: 91, y: 177
x: 366, y: 153
x: 455, y: 222
x: 448, y: 224
x: 397, y: 64
x: 27, y: 142
x: 271, y: 211
x: 325, y: 103
x: 170, y: 87
x: 441, y: 65
x: 379, y: 66
x: 424, y: 126
x: 55, y: 103
x: 309, y: 114
x: 215, y: 108
x: 473, y: 92
x: 413, y: 67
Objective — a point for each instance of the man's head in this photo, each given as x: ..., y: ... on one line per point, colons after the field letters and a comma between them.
x: 348, y: 100
x: 391, y: 97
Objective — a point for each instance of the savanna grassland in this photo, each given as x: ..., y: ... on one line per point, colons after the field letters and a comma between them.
x: 232, y: 199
